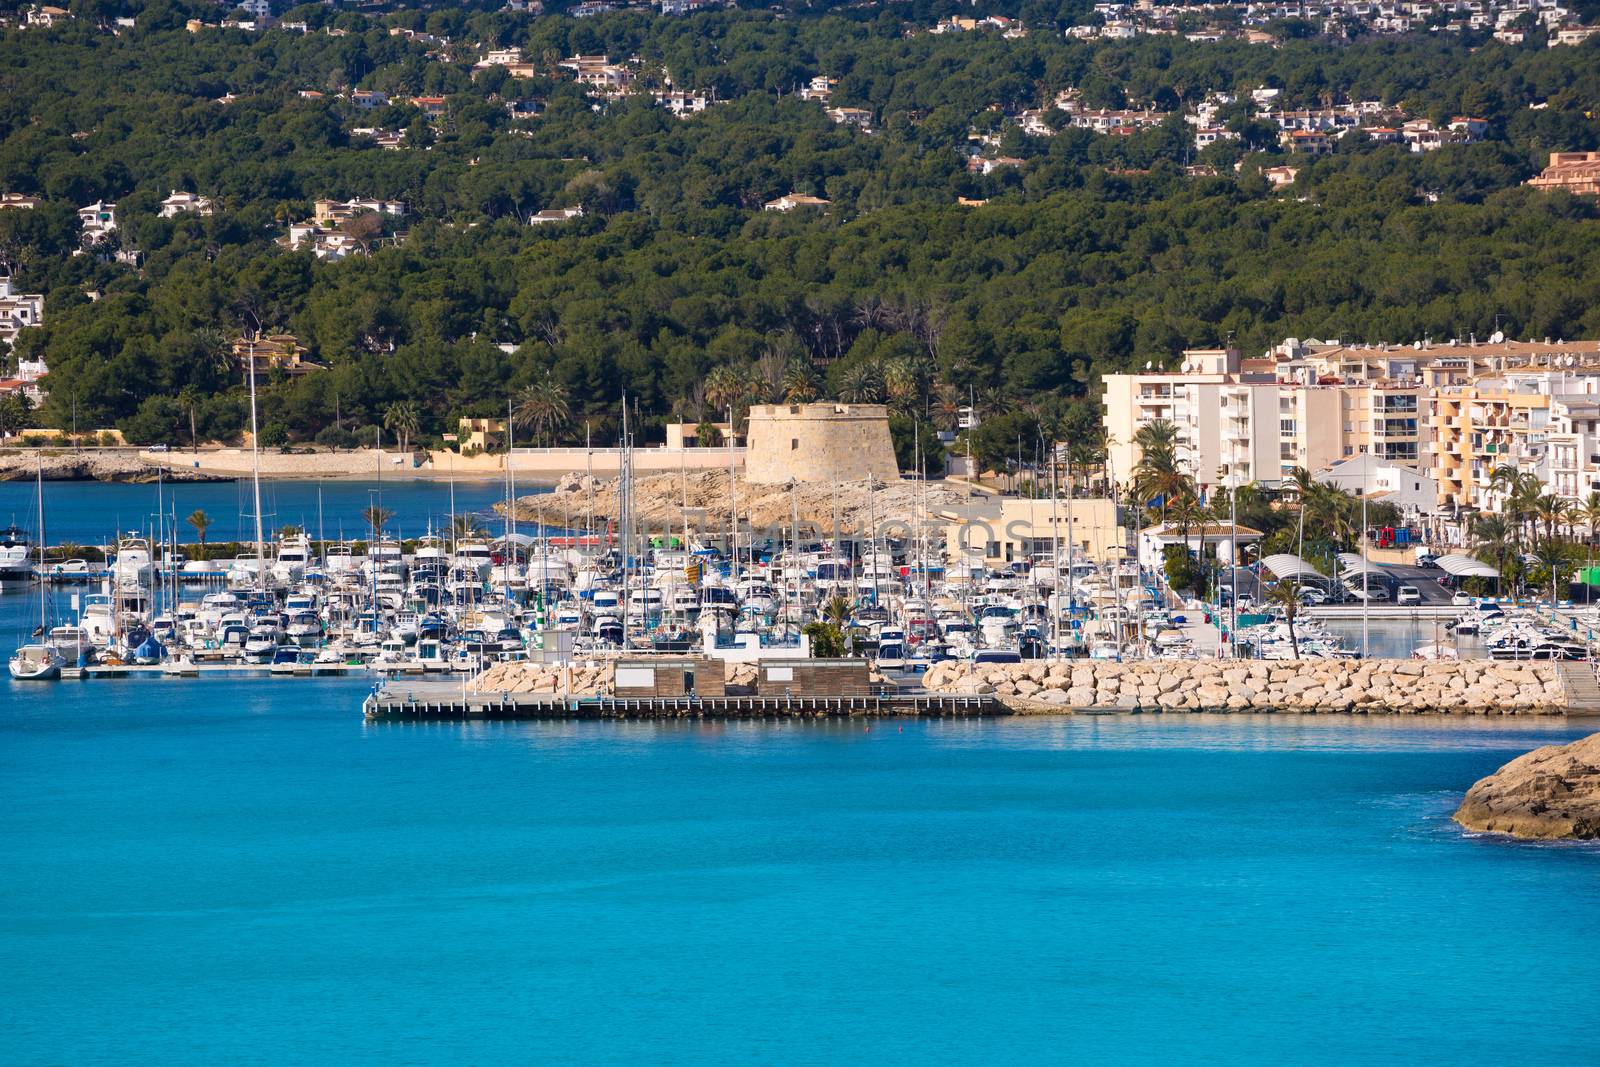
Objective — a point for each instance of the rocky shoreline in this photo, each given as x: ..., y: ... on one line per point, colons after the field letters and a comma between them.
x: 96, y: 465
x: 659, y: 501
x: 1550, y: 793
x: 1468, y: 687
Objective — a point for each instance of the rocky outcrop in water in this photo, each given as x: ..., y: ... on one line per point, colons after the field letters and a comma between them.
x: 1481, y: 687
x: 1552, y: 792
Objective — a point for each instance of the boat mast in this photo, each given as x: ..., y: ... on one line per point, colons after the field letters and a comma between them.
x: 255, y: 472
x: 1055, y: 548
x: 733, y: 508
x: 39, y: 490
x: 625, y: 519
x: 510, y: 525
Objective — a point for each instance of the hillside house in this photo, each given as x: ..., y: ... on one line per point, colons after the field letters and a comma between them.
x: 185, y: 203
x: 794, y: 201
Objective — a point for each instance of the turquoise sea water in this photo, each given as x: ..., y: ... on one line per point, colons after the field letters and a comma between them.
x: 92, y: 513
x: 243, y: 872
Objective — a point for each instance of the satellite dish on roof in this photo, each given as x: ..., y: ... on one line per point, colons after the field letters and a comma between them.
x: 1149, y: 364
x: 1417, y: 345
x: 1497, y: 337
x: 1185, y: 367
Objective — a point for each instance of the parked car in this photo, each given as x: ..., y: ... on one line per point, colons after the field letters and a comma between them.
x: 1407, y: 594
x: 1428, y: 562
x: 1313, y: 597
x: 1463, y: 600
x: 1371, y: 594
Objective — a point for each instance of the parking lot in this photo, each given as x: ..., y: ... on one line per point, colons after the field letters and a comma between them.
x: 1424, y: 579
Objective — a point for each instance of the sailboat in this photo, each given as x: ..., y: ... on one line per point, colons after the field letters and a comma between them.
x: 38, y: 661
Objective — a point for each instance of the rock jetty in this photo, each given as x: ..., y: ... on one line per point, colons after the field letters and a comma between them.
x: 1480, y: 687
x: 1552, y: 792
x: 593, y: 679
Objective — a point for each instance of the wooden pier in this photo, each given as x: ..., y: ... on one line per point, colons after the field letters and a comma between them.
x: 444, y: 703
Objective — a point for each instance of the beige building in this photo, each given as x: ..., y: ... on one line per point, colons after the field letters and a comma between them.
x: 483, y: 435
x: 1003, y: 530
x: 1453, y: 410
x: 1576, y: 172
x: 279, y: 351
x: 687, y: 435
x: 819, y: 443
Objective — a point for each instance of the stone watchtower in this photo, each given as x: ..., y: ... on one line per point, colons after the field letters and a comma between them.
x: 819, y: 443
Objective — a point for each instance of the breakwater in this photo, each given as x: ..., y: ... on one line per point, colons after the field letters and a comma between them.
x: 1467, y: 687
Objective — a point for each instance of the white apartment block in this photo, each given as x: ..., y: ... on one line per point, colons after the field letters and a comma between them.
x: 18, y: 311
x: 1451, y: 412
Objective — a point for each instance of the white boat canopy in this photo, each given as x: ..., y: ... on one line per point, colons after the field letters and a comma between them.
x: 1459, y: 566
x: 1288, y: 565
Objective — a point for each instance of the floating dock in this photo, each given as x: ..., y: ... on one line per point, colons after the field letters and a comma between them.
x: 445, y: 703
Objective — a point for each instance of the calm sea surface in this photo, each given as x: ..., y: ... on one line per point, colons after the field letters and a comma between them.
x: 92, y: 513
x: 243, y: 872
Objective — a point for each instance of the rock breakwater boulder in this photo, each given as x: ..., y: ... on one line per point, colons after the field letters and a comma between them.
x: 578, y: 679
x: 1480, y: 687
x: 1552, y: 792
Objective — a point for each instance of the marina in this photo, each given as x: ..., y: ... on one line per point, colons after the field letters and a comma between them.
x: 472, y: 590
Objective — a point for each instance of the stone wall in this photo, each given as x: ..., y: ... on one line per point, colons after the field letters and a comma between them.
x: 1375, y: 686
x: 819, y: 443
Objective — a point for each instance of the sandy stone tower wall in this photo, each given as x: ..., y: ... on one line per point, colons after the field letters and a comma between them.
x: 819, y: 443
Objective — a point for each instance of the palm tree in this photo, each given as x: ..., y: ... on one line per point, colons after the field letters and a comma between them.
x: 377, y: 518
x: 1552, y: 512
x: 1156, y: 476
x: 400, y: 419
x: 1158, y: 437
x: 542, y: 407
x: 201, y: 523
x: 1551, y: 554
x: 1082, y: 456
x: 1186, y: 512
x: 465, y: 527
x: 724, y: 387
x: 1589, y: 514
x: 860, y: 384
x: 799, y: 383
x: 1286, y: 594
x: 899, y: 384
x: 946, y: 408
x: 1494, y: 541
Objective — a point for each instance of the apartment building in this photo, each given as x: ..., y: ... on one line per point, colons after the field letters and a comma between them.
x: 1454, y: 411
x: 1256, y: 420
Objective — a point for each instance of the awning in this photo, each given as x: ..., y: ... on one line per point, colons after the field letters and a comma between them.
x: 1288, y: 565
x: 1459, y: 566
